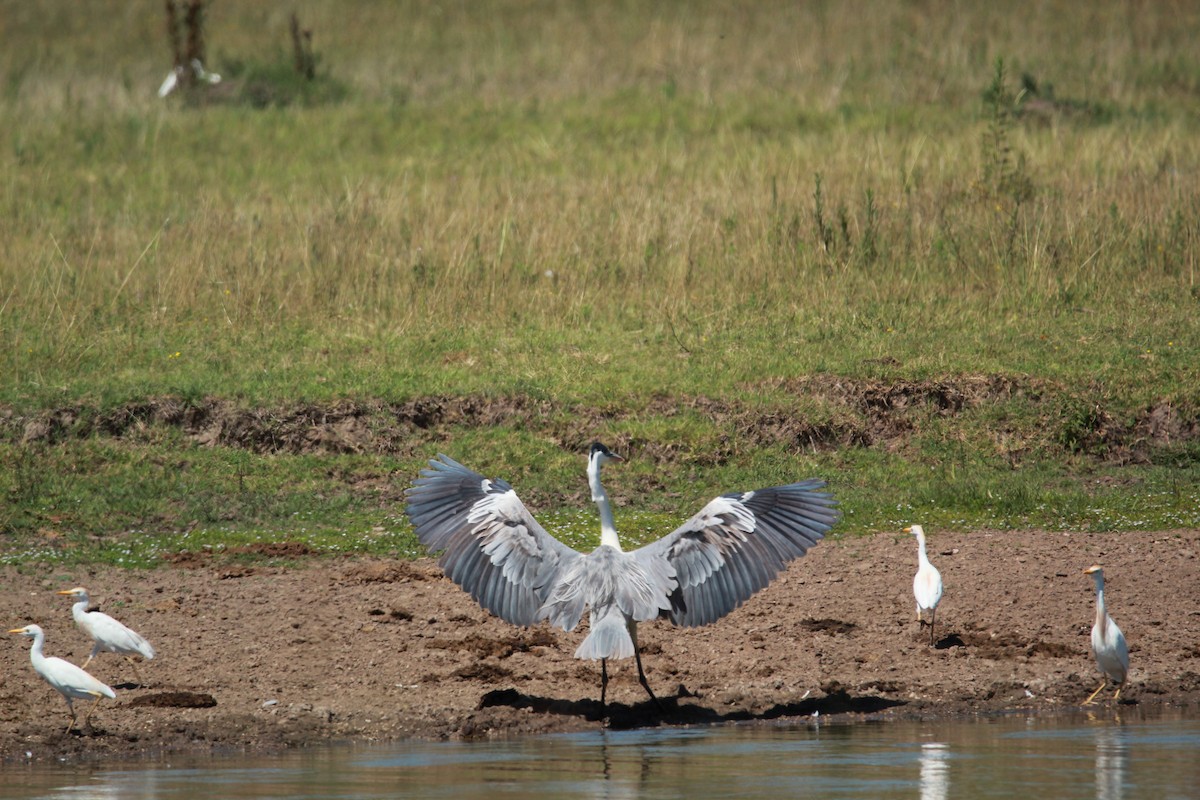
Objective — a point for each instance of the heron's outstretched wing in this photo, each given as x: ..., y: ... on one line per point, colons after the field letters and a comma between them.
x: 737, y: 544
x: 491, y: 545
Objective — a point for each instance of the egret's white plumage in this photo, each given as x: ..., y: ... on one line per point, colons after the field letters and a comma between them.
x: 176, y: 75
x: 204, y: 75
x: 1108, y: 643
x: 108, y: 635
x: 67, y: 679
x: 170, y: 82
x: 927, y: 583
x: 494, y: 549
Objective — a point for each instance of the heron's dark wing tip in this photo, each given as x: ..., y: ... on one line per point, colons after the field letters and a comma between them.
x: 490, y: 544
x: 739, y: 542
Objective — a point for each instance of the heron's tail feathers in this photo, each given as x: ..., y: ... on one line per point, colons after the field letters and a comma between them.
x: 609, y: 638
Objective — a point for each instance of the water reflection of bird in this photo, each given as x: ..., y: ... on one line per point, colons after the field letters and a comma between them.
x: 495, y: 549
x: 107, y: 634
x: 67, y: 679
x: 927, y: 583
x: 935, y: 771
x: 1108, y: 643
x: 1111, y: 758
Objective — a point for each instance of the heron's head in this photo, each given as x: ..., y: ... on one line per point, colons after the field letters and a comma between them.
x: 78, y: 593
x: 600, y: 454
x: 28, y: 630
x: 1094, y: 569
x: 916, y: 530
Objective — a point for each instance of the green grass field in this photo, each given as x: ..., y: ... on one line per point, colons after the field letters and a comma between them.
x: 942, y: 254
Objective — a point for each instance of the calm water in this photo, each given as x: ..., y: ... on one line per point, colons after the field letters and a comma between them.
x: 1103, y: 757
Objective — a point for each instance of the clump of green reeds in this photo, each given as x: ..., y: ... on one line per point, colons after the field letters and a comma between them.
x: 1004, y: 168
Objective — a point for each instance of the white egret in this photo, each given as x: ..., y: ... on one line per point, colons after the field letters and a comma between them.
x: 67, y: 679
x: 1108, y: 643
x: 927, y: 583
x: 204, y: 75
x: 176, y: 75
x: 107, y: 634
x: 494, y: 549
x: 170, y: 82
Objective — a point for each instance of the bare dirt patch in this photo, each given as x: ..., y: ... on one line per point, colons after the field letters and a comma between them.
x: 867, y: 413
x: 376, y: 650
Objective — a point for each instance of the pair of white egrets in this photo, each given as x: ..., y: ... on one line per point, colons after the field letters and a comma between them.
x: 1108, y: 643
x: 108, y: 636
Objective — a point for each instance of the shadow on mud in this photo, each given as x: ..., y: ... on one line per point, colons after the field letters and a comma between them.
x: 647, y: 714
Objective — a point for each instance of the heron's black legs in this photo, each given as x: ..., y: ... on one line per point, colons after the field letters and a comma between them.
x: 642, y: 678
x: 932, y: 620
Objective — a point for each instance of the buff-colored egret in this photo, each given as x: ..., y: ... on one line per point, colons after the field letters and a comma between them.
x: 67, y: 679
x: 494, y: 549
x: 1108, y: 643
x: 108, y: 635
x: 927, y: 583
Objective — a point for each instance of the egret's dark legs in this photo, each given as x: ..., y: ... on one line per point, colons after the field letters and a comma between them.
x: 603, y: 679
x: 932, y: 620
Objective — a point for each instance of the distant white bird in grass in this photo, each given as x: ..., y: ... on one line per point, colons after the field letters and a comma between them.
x: 1108, y: 643
x: 67, y: 679
x: 204, y: 75
x: 927, y: 583
x: 494, y: 549
x: 171, y: 82
x: 107, y: 634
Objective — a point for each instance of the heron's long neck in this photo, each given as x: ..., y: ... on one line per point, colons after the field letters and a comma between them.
x: 80, y: 609
x: 608, y: 528
x: 35, y: 652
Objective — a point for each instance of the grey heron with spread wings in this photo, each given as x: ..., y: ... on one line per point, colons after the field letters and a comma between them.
x: 495, y: 550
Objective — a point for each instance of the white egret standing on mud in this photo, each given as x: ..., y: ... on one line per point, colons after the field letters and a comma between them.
x: 495, y: 550
x: 1108, y: 643
x: 67, y: 679
x: 927, y: 583
x: 108, y: 635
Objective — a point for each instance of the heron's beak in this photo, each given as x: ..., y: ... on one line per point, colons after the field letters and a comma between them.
x: 17, y: 630
x: 66, y: 591
x: 908, y: 530
x: 1091, y: 569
